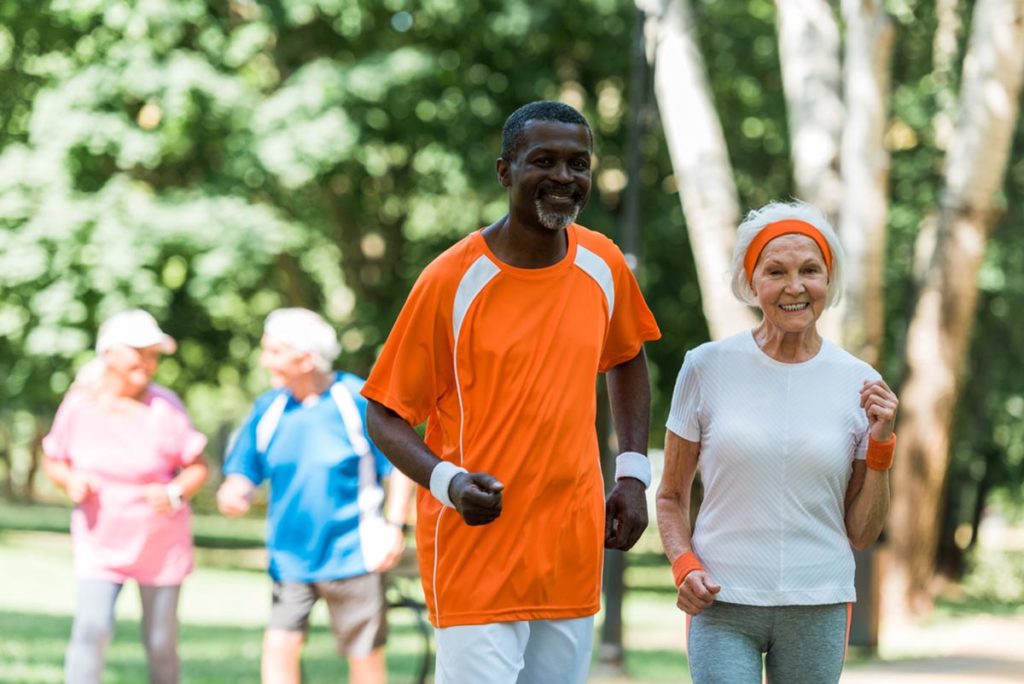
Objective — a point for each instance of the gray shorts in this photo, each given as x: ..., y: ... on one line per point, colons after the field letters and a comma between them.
x: 356, y: 605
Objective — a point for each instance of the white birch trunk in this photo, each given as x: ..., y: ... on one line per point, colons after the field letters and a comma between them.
x: 700, y: 159
x: 944, y: 49
x: 865, y: 175
x: 809, y: 59
x: 943, y: 318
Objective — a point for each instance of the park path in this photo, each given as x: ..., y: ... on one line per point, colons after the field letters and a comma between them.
x: 983, y: 649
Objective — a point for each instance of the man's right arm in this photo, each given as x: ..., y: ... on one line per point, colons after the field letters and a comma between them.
x: 243, y: 466
x: 476, y: 496
x: 400, y: 443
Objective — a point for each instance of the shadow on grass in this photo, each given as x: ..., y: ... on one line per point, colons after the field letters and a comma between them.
x: 34, y: 517
x: 656, y: 665
x: 32, y: 650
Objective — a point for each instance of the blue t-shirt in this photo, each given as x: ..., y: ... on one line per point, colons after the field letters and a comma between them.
x: 313, y: 515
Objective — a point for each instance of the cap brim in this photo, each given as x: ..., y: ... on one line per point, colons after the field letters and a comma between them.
x: 168, y: 345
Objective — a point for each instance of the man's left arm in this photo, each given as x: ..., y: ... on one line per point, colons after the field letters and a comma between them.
x: 629, y: 392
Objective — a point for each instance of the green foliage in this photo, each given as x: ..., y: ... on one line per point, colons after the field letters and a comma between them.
x: 211, y: 161
x: 999, y: 580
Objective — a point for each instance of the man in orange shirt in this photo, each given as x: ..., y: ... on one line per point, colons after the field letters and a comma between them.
x: 497, y: 348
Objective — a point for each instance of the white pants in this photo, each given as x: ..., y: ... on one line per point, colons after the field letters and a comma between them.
x: 525, y: 652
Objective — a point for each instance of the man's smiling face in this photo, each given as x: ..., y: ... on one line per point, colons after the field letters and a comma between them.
x: 549, y: 176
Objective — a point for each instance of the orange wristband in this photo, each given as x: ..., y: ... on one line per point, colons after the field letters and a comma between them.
x: 880, y: 453
x: 683, y: 565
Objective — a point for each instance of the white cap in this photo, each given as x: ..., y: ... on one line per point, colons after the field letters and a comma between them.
x: 133, y: 328
x: 304, y: 331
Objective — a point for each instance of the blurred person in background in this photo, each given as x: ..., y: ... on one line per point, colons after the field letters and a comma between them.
x: 124, y: 450
x: 327, y: 534
x: 794, y: 439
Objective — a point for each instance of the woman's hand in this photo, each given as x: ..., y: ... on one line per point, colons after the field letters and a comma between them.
x: 79, y: 487
x: 158, y: 497
x: 879, y: 404
x: 697, y: 592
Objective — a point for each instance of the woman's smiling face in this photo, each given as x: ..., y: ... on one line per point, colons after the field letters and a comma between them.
x: 790, y: 281
x: 134, y: 367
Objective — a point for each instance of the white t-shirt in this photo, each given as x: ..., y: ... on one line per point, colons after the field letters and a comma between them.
x: 777, y: 444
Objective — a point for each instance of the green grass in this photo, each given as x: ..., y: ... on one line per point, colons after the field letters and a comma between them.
x: 994, y: 586
x: 222, y: 616
x: 33, y: 651
x: 224, y: 606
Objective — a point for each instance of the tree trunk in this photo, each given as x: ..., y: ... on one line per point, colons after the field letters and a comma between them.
x: 41, y: 427
x: 700, y: 159
x: 944, y: 48
x: 6, y: 462
x: 809, y: 59
x: 940, y: 328
x: 295, y: 285
x: 611, y: 652
x: 865, y: 175
x: 991, y: 455
x: 855, y: 200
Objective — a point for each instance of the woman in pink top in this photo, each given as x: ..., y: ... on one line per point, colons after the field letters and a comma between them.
x: 128, y: 457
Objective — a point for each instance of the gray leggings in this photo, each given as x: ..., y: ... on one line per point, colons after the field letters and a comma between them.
x: 800, y: 644
x: 94, y: 626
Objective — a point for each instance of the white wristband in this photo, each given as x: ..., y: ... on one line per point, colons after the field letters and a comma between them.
x: 441, y: 478
x: 633, y: 464
x: 174, y: 495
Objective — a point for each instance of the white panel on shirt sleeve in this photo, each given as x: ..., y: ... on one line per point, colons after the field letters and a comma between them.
x: 596, y: 267
x: 476, y: 278
x: 267, y: 426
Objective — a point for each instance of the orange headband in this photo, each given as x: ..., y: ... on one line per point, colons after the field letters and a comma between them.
x: 774, y: 230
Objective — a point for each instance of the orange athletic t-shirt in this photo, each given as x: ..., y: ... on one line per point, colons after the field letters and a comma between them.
x: 501, y: 362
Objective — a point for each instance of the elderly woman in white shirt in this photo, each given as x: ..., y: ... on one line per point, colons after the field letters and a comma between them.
x: 794, y: 439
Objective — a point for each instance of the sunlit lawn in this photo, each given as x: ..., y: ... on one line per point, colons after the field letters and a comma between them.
x: 225, y: 604
x: 224, y: 607
x: 222, y: 614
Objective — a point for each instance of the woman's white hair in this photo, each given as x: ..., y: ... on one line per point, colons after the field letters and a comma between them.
x: 758, y: 219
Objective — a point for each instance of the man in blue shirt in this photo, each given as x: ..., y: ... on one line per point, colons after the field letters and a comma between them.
x: 327, y: 535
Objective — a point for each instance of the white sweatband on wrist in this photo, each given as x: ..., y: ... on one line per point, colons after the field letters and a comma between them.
x: 174, y: 495
x: 633, y: 464
x: 441, y: 478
